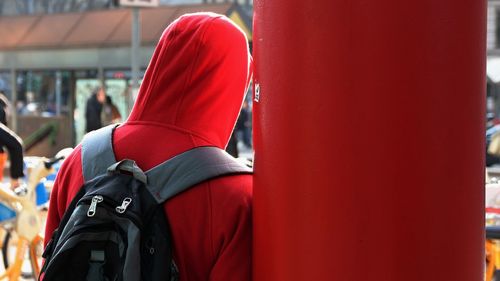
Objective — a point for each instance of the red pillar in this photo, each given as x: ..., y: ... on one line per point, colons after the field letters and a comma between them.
x: 369, y: 140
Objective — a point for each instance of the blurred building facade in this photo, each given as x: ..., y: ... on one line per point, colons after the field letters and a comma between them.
x: 50, y: 62
x: 23, y: 7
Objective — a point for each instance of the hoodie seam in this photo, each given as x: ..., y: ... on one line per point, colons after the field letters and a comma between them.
x: 190, y: 73
x: 193, y: 140
x: 156, y: 72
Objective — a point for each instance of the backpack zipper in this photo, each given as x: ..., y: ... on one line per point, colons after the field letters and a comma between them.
x: 121, y: 209
x: 93, y: 205
x: 112, y: 205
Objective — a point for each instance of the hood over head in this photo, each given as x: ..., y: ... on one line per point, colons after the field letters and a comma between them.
x: 197, y: 78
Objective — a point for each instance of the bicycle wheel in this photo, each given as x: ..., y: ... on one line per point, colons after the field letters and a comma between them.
x: 35, y: 253
x: 32, y: 257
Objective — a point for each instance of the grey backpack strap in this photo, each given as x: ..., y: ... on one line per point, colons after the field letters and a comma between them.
x: 130, y: 166
x: 97, y: 152
x: 190, y: 168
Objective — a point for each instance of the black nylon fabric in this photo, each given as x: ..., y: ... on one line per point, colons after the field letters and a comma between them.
x: 136, y: 244
x: 156, y: 249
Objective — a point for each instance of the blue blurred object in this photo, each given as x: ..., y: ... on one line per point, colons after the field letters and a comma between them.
x: 6, y: 213
x: 42, y: 195
x: 51, y: 177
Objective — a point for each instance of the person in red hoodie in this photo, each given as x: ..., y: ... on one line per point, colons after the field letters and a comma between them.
x: 191, y: 96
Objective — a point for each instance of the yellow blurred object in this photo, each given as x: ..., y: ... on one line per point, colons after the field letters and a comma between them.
x: 494, y: 146
x: 28, y: 223
x: 3, y: 159
x: 491, y: 250
x: 492, y: 258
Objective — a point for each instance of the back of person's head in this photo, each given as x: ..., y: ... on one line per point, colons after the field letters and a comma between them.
x: 197, y: 77
x: 99, y: 93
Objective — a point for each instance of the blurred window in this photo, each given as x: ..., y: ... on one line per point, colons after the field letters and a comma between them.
x: 86, y: 83
x: 86, y: 74
x: 122, y: 74
x: 43, y: 92
x: 118, y: 86
x: 5, y: 84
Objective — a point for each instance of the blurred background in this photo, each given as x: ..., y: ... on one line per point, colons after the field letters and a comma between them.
x: 55, y: 53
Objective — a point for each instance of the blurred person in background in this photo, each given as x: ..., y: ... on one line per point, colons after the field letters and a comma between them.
x: 244, y: 125
x: 93, y: 110
x: 14, y: 146
x: 232, y: 145
x: 110, y: 113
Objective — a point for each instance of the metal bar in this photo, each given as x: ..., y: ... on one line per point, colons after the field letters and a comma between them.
x: 136, y: 37
x: 58, y: 92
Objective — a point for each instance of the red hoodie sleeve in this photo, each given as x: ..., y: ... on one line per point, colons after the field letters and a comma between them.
x: 68, y: 181
x: 232, y: 231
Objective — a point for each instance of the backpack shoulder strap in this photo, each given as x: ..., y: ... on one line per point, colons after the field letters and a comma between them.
x: 190, y: 168
x: 97, y: 145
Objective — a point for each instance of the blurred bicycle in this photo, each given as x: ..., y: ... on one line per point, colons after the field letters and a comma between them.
x: 22, y: 216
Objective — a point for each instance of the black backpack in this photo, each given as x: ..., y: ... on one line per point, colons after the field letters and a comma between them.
x: 115, y: 228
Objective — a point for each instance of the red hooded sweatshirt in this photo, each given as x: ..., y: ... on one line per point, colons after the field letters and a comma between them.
x: 190, y: 96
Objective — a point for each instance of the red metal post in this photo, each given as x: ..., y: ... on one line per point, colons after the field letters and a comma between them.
x: 369, y: 140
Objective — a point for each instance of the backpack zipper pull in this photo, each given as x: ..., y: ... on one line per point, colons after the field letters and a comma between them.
x: 121, y: 209
x: 96, y: 199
